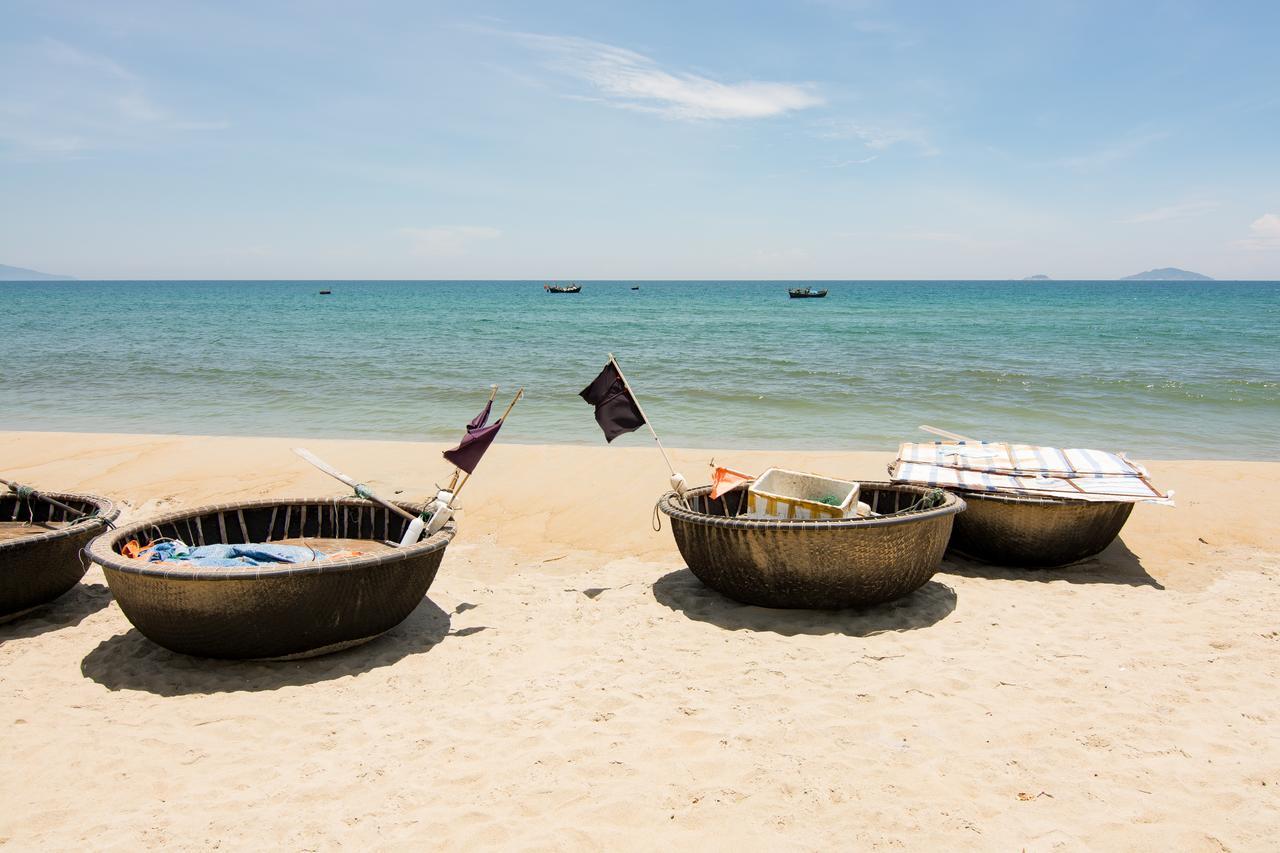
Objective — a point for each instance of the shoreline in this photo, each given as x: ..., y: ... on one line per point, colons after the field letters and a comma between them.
x: 594, y: 443
x: 532, y: 500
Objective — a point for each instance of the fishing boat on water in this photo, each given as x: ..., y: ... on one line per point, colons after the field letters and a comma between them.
x: 806, y: 293
x: 562, y: 288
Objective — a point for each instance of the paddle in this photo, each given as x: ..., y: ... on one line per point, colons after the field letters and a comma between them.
x: 28, y: 492
x: 942, y: 432
x: 360, y: 489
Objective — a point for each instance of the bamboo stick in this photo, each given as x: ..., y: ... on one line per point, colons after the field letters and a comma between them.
x: 360, y: 488
x: 510, y: 406
x: 16, y: 489
x: 942, y: 432
x: 453, y: 481
x: 635, y: 400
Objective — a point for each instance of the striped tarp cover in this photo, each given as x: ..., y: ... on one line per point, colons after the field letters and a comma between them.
x: 1025, y: 469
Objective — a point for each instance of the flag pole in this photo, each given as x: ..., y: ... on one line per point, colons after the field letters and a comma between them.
x: 677, y: 479
x: 453, y: 481
x: 510, y: 406
x: 656, y: 440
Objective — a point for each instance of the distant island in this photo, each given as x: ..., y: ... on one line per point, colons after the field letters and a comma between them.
x: 1167, y: 274
x: 1037, y: 278
x: 19, y: 274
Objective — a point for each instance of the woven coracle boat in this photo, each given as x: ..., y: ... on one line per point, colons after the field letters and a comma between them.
x: 823, y: 564
x: 273, y: 611
x: 1036, y: 532
x: 40, y: 547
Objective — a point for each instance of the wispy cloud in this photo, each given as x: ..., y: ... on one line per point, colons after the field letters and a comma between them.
x: 958, y: 241
x: 57, y: 100
x: 862, y: 162
x: 628, y: 80
x: 1265, y: 233
x: 447, y: 240
x: 61, y: 53
x: 1115, y: 152
x: 878, y: 136
x: 1174, y: 211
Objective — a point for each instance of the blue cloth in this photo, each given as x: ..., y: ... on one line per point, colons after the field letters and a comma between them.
x: 227, y: 556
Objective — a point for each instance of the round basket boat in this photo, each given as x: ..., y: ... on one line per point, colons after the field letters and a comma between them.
x: 273, y: 611
x: 1036, y: 532
x: 40, y: 548
x: 820, y: 564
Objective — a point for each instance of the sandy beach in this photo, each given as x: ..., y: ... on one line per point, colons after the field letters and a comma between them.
x: 568, y: 684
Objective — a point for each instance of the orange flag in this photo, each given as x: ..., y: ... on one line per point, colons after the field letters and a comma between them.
x: 725, y: 479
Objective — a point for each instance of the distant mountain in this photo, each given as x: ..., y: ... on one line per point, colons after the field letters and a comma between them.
x: 1167, y: 274
x: 1037, y: 278
x: 19, y: 274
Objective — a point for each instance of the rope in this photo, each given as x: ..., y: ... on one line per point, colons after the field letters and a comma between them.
x: 657, y: 518
x: 93, y: 516
x: 24, y: 492
x: 930, y: 499
x: 362, y: 492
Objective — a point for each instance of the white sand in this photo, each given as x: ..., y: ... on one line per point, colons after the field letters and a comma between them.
x: 569, y: 684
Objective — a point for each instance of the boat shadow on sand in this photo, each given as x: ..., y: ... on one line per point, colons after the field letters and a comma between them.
x: 683, y: 592
x: 130, y: 661
x: 1115, y: 565
x: 66, y: 611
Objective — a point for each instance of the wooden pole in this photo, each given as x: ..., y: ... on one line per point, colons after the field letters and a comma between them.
x: 942, y: 432
x: 453, y: 481
x: 503, y: 419
x: 656, y: 440
x: 15, y: 487
x: 360, y: 488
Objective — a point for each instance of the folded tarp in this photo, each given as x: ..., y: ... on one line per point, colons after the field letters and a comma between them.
x: 1025, y: 469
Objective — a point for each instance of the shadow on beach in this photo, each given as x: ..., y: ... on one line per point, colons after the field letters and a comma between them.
x: 130, y: 661
x: 683, y: 592
x: 1115, y: 565
x: 66, y: 611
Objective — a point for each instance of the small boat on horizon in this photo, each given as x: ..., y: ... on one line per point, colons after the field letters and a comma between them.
x: 806, y: 293
x: 635, y: 287
x: 325, y: 292
x: 562, y: 288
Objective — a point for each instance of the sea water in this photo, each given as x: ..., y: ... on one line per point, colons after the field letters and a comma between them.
x: 1161, y: 369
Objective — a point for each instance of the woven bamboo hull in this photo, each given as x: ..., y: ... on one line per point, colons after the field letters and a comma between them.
x: 825, y: 565
x: 1036, y: 532
x: 37, y: 569
x: 267, y: 612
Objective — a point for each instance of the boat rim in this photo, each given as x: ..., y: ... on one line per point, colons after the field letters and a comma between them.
x: 107, y: 512
x: 102, y: 551
x: 953, y: 503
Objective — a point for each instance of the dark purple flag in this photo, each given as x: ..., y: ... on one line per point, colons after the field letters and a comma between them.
x: 616, y: 410
x: 472, y: 447
x: 480, y: 419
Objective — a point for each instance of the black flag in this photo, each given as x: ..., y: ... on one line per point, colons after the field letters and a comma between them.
x: 473, y: 445
x: 616, y: 410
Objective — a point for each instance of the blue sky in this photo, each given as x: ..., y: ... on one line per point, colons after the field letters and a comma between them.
x: 644, y: 140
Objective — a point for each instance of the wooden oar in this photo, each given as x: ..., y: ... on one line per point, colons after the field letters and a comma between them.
x: 21, y: 490
x: 942, y: 432
x: 360, y: 488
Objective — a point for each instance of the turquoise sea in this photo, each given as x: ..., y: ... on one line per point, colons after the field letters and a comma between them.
x: 1160, y: 369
